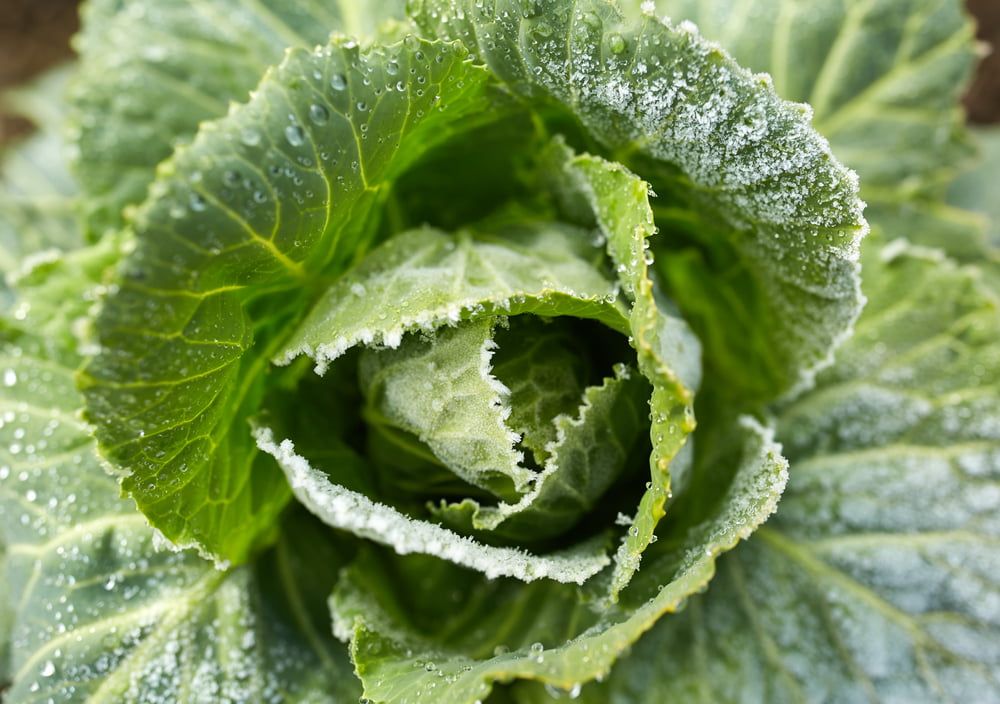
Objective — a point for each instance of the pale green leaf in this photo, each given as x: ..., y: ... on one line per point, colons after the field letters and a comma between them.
x: 878, y: 579
x: 587, y: 454
x: 43, y: 101
x: 423, y: 279
x: 152, y: 71
x: 236, y: 240
x: 353, y: 511
x: 546, y: 369
x: 37, y: 194
x: 930, y: 222
x: 619, y: 202
x: 435, y: 633
x: 442, y: 389
x: 978, y: 189
x: 883, y: 77
x: 6, y: 621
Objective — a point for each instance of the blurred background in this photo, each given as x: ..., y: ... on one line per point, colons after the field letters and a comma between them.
x: 34, y: 34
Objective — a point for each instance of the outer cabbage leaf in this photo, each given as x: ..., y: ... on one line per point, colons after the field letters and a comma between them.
x: 430, y: 632
x: 36, y: 191
x: 742, y: 169
x: 101, y: 612
x: 878, y: 578
x: 152, y: 71
x: 936, y: 224
x: 977, y: 189
x: 6, y: 622
x: 228, y: 250
x: 883, y: 77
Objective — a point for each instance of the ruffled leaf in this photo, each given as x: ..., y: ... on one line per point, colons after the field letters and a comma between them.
x: 352, y: 511
x: 620, y: 204
x: 37, y: 194
x: 442, y: 390
x: 423, y: 279
x: 587, y: 454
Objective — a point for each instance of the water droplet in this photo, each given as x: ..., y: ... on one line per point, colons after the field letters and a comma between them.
x: 530, y: 8
x: 362, y: 106
x: 196, y: 202
x: 537, y: 652
x: 318, y: 114
x: 338, y: 81
x: 295, y: 136
x: 250, y: 137
x: 616, y: 43
x: 542, y: 30
x: 392, y: 68
x: 48, y: 669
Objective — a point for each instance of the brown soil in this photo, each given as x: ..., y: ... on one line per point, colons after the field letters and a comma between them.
x: 34, y: 34
x: 983, y: 99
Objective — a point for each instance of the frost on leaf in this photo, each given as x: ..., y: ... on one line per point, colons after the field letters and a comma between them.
x: 354, y: 512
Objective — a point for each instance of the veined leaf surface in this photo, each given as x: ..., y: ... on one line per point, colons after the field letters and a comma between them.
x: 229, y: 248
x: 153, y: 71
x: 878, y: 577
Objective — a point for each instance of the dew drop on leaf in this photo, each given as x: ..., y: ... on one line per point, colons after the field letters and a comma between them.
x: 250, y: 137
x: 295, y: 136
x: 196, y: 202
x: 318, y: 114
